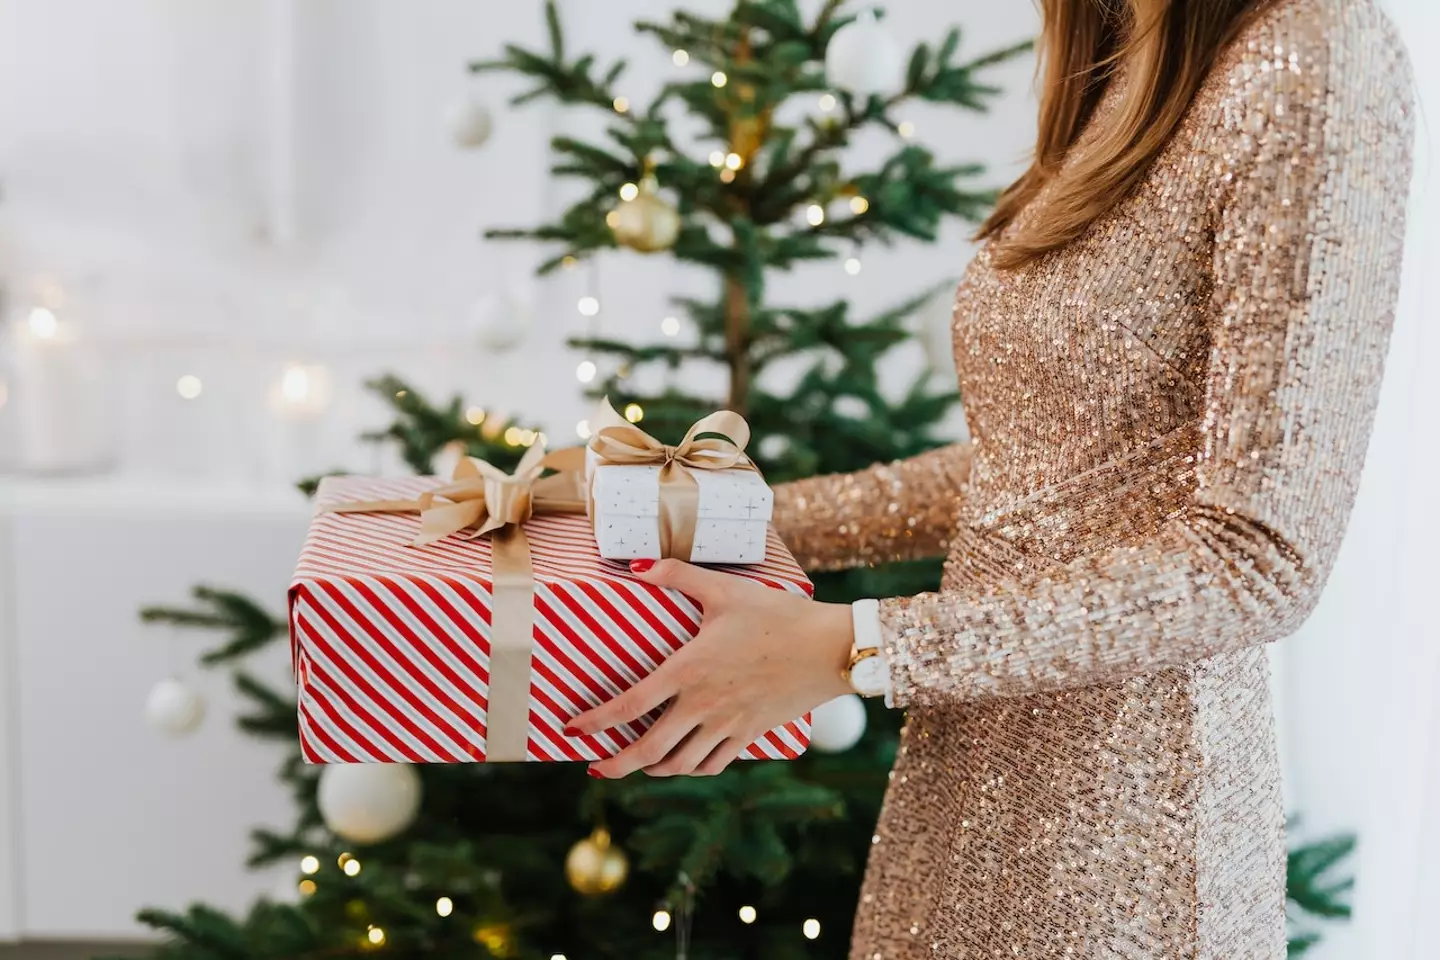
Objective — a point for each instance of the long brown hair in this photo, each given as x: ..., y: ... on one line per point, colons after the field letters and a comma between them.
x: 1167, y: 47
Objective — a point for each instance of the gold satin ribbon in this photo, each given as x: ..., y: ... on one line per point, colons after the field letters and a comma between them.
x: 482, y: 500
x: 617, y: 441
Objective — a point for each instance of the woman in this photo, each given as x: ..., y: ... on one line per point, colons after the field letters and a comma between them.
x: 1170, y: 349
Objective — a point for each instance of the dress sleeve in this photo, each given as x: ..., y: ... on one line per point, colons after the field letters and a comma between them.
x: 903, y: 510
x: 1307, y: 246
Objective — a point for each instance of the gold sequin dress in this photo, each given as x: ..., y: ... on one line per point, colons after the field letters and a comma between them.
x: 1168, y: 421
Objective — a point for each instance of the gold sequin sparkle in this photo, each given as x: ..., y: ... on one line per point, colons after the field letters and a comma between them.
x: 1168, y: 420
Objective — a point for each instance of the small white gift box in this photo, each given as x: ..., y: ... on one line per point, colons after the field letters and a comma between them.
x: 731, y: 519
x: 701, y: 501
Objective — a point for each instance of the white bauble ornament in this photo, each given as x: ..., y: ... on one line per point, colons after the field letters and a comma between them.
x: 368, y: 802
x: 864, y: 58
x: 851, y: 406
x: 469, y: 122
x: 174, y: 708
x: 502, y: 323
x: 838, y: 725
x: 774, y: 446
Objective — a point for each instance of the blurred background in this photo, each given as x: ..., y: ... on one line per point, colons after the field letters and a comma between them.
x: 218, y: 219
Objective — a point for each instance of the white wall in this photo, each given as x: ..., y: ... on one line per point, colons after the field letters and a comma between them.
x: 1384, y: 651
x: 192, y: 187
x: 214, y: 205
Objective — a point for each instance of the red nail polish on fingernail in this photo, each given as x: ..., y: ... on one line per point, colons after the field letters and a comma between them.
x: 640, y: 566
x: 571, y: 731
x: 597, y: 776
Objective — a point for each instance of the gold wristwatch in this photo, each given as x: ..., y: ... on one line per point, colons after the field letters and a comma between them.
x: 866, y: 673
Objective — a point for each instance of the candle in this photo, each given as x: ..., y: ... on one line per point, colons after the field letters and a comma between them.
x: 299, y: 398
x: 55, y: 398
x: 302, y: 392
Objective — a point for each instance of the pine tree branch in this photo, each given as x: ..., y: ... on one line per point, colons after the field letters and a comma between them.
x: 671, y: 356
x: 422, y: 429
x: 250, y: 627
x: 826, y: 16
x: 995, y: 57
x: 202, y: 927
x: 309, y: 485
x: 1308, y: 886
x: 932, y: 79
x: 566, y: 81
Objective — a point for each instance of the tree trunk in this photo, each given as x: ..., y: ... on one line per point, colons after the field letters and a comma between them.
x: 737, y: 343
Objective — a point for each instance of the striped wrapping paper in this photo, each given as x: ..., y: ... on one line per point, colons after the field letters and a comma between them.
x: 390, y: 642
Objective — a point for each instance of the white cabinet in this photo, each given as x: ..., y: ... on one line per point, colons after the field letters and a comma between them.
x: 99, y: 815
x: 9, y: 688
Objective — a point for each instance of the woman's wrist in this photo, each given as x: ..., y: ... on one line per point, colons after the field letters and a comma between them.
x: 837, y: 630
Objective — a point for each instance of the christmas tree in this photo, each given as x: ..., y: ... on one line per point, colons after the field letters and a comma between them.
x: 764, y: 861
x: 537, y: 860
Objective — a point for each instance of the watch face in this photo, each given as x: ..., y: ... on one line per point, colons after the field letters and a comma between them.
x: 868, y: 677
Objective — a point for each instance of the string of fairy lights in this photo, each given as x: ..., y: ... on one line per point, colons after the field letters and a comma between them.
x: 589, y: 306
x: 298, y: 390
x: 302, y: 390
x: 300, y: 387
x: 728, y: 164
x: 497, y: 936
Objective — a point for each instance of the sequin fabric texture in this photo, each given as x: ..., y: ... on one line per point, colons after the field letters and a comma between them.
x: 1168, y: 420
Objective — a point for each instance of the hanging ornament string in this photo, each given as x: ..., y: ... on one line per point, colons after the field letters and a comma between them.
x: 174, y: 707
x: 175, y: 662
x: 684, y: 917
x: 503, y: 316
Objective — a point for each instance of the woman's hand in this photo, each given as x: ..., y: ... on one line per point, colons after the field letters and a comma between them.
x: 762, y: 658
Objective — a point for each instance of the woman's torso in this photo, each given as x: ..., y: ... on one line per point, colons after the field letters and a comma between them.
x: 1083, y: 373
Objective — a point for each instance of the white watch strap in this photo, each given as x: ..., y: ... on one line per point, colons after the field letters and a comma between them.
x: 865, y: 619
x: 865, y: 614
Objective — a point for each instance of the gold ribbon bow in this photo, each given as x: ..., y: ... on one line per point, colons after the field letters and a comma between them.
x: 482, y: 500
x: 617, y: 441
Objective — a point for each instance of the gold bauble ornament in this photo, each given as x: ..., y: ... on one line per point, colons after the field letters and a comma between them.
x: 593, y: 866
x: 646, y: 222
x: 496, y: 938
x: 747, y: 133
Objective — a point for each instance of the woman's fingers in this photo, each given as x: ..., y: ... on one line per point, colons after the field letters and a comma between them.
x: 688, y: 755
x: 652, y: 747
x: 726, y: 752
x: 733, y: 673
x: 639, y: 700
x: 707, y: 587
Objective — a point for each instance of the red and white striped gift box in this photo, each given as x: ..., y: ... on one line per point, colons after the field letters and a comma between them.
x: 391, y: 642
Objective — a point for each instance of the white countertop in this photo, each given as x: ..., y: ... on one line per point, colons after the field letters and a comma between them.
x: 122, y: 493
